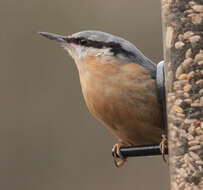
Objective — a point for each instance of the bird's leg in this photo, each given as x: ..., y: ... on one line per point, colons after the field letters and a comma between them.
x: 119, y: 159
x: 162, y: 146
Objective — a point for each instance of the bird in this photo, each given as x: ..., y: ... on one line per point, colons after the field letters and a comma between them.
x: 119, y: 86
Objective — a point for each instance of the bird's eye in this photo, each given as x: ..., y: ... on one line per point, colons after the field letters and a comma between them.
x: 83, y: 42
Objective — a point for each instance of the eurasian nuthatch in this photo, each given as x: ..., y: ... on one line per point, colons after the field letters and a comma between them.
x: 118, y: 85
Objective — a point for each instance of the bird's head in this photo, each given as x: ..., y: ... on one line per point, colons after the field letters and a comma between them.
x: 94, y: 43
x: 99, y: 44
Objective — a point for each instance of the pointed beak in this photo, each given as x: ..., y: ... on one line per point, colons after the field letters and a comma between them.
x: 52, y: 36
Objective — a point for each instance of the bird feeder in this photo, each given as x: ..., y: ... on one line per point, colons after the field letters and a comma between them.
x: 183, y: 55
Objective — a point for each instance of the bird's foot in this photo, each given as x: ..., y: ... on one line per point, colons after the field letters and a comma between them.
x: 163, y: 143
x: 119, y: 159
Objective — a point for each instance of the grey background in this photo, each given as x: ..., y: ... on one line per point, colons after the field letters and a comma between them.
x: 48, y: 139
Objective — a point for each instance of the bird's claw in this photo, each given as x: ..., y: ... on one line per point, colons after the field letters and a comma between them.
x: 162, y: 147
x: 119, y: 159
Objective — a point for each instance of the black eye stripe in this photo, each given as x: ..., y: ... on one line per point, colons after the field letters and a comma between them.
x: 114, y: 47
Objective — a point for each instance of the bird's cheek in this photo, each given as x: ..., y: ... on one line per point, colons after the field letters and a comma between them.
x: 81, y: 53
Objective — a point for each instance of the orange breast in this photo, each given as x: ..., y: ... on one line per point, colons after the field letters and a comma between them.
x: 123, y: 97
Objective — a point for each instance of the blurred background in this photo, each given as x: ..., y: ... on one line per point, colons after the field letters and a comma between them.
x: 48, y: 139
